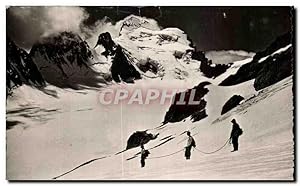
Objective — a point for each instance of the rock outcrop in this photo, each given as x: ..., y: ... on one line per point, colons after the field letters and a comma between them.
x: 231, y: 103
x: 178, y: 112
x: 267, y: 67
x: 20, y: 68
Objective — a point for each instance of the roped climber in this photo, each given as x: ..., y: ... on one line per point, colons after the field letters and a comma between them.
x: 190, y: 143
x: 235, y: 134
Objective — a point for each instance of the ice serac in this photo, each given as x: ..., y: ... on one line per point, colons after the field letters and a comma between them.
x: 20, y: 68
x: 65, y: 60
x: 267, y: 67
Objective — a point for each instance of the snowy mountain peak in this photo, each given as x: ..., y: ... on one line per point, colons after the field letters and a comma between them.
x: 66, y: 60
x: 133, y: 22
x: 168, y: 49
x: 60, y: 44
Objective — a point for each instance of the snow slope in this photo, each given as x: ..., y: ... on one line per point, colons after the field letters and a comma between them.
x: 83, y: 129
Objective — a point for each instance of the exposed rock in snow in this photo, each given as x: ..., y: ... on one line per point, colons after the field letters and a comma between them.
x: 106, y: 41
x: 121, y: 68
x: 276, y: 68
x: 20, y: 69
x: 179, y: 111
x: 231, y: 103
x: 199, y: 55
x: 276, y: 52
x: 207, y: 67
x: 267, y: 67
x: 65, y: 60
x: 138, y: 138
x: 213, y: 70
x: 280, y: 42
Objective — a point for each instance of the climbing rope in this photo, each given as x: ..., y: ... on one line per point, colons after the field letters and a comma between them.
x: 166, y: 155
x: 215, y: 150
x: 90, y: 161
x: 195, y: 148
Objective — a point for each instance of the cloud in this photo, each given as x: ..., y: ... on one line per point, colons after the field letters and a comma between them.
x: 91, y: 33
x: 60, y: 19
x: 228, y: 56
x: 27, y: 24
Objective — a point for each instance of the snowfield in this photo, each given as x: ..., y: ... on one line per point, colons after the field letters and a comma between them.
x: 81, y: 129
x: 54, y: 131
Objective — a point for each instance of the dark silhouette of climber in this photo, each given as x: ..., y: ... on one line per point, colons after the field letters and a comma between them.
x: 190, y: 143
x: 144, y: 155
x: 235, y: 134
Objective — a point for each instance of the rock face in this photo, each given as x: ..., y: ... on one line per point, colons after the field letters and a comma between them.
x: 20, y: 68
x: 64, y: 60
x: 276, y: 68
x: 106, y: 41
x: 178, y: 112
x: 121, y: 69
x: 280, y: 42
x: 213, y: 70
x: 207, y: 67
x: 138, y: 138
x: 267, y: 67
x: 231, y: 103
x: 245, y: 73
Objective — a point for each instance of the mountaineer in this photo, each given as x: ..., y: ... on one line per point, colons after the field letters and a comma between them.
x: 235, y: 134
x: 190, y: 143
x: 144, y: 155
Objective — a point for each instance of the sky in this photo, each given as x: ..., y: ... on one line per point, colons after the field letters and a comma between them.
x: 210, y: 28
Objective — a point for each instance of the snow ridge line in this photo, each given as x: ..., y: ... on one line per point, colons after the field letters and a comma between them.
x: 81, y: 165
